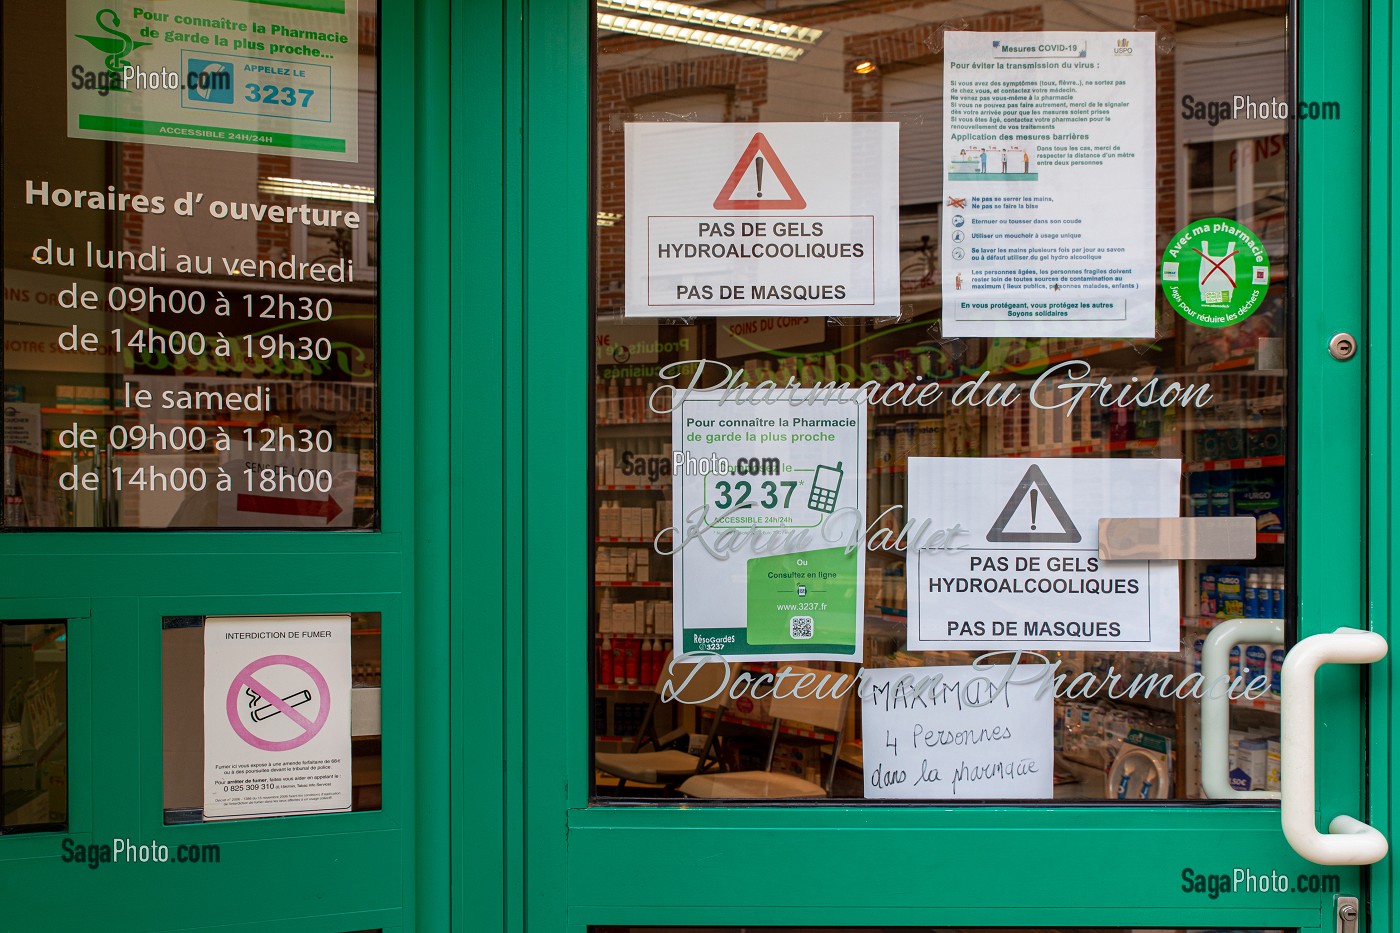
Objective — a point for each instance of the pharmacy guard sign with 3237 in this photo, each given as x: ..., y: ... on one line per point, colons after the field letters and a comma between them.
x: 275, y: 75
x: 764, y: 496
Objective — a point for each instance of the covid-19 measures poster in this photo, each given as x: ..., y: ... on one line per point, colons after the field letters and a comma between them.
x: 204, y: 74
x: 768, y: 497
x: 1049, y: 168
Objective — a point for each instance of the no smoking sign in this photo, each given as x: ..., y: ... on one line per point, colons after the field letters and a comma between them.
x: 278, y: 703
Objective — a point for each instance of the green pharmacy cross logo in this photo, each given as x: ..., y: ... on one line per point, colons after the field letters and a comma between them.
x: 116, y: 45
x: 1215, y: 272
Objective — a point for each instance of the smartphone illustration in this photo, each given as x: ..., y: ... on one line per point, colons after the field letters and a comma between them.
x: 825, y: 485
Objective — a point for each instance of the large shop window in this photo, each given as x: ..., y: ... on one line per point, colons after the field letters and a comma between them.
x: 928, y: 356
x: 191, y: 247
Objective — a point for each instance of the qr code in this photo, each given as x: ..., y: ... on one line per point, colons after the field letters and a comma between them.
x: 800, y: 627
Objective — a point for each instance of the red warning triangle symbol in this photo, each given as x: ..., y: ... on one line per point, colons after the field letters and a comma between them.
x: 759, y: 147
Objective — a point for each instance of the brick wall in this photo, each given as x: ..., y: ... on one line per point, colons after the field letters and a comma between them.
x: 133, y: 180
x: 1170, y: 16
x: 274, y: 239
x: 910, y: 46
x: 743, y: 78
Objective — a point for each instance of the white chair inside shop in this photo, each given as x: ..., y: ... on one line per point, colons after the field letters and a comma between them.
x: 827, y: 713
x: 691, y: 685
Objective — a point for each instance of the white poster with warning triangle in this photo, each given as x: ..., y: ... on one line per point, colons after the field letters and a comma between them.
x: 762, y: 219
x: 1022, y: 568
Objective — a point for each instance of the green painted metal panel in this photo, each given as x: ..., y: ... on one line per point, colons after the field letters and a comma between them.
x: 479, y: 148
x: 990, y: 916
x: 554, y: 357
x: 429, y: 883
x: 1379, y: 350
x: 328, y: 873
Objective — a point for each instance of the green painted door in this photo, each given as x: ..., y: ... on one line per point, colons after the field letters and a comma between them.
x: 114, y: 595
x: 603, y: 851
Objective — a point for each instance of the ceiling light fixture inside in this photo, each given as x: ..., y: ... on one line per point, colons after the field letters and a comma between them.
x: 688, y: 36
x: 714, y: 19
x: 321, y: 190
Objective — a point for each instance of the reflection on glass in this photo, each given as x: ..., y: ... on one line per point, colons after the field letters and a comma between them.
x: 190, y: 327
x: 887, y: 65
x: 902, y: 929
x: 33, y: 726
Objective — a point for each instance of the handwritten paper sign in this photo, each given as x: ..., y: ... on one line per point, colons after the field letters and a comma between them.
x: 957, y: 733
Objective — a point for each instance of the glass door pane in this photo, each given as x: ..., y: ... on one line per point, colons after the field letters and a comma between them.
x: 1077, y: 305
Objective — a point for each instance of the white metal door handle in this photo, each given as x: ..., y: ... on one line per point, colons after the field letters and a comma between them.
x: 1348, y: 841
x: 1215, y: 703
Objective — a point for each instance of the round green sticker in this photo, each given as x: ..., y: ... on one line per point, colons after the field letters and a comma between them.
x: 1215, y: 272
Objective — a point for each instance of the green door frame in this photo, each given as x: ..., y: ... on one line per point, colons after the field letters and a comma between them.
x: 356, y: 871
x: 1380, y: 349
x: 583, y: 865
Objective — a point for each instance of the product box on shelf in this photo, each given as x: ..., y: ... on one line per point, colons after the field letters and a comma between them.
x: 1207, y: 445
x: 1209, y: 596
x: 1220, y: 493
x: 610, y: 518
x: 624, y: 618
x: 1229, y: 590
x: 1232, y: 443
x: 1249, y: 768
x: 1198, y: 492
x: 1261, y: 494
x: 1264, y: 442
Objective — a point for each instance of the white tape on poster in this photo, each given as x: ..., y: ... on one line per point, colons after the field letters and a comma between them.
x: 1049, y: 164
x: 276, y: 715
x: 267, y: 76
x: 1025, y: 572
x: 956, y: 733
x: 765, y: 495
x: 755, y: 219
